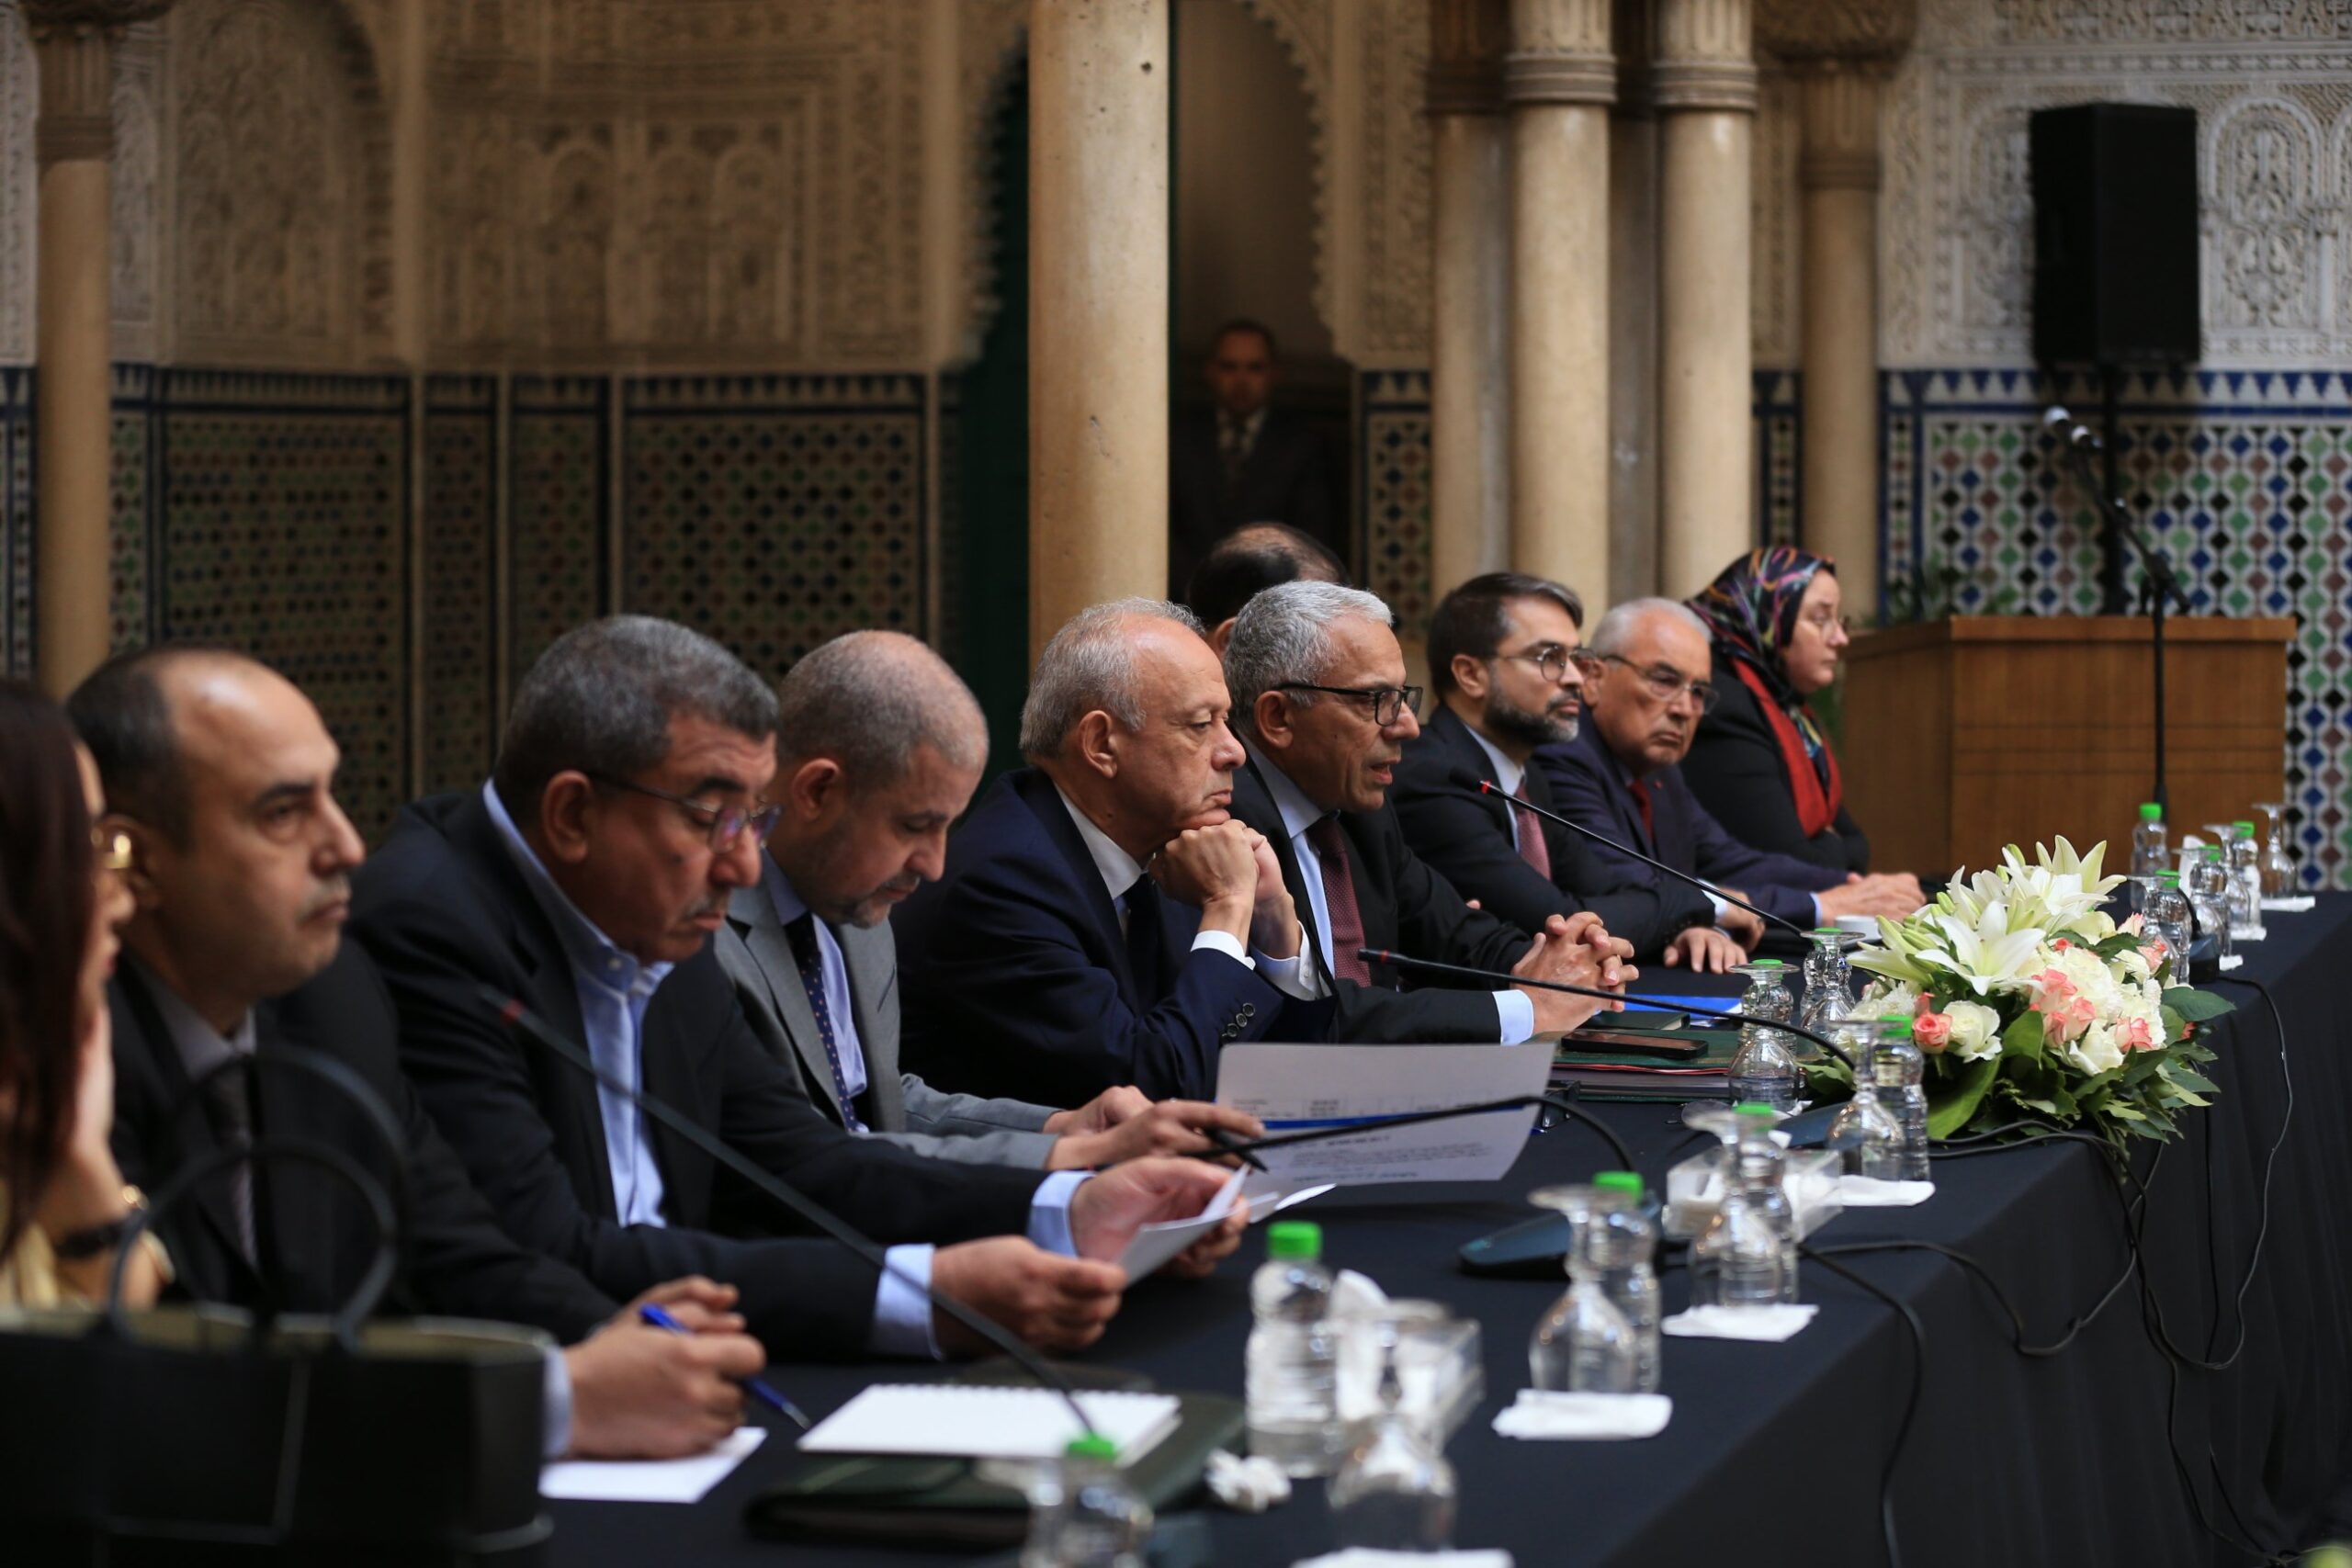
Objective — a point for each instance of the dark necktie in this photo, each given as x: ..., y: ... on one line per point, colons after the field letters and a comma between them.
x: 1147, y: 938
x: 228, y: 1108
x: 1232, y: 448
x: 1532, y: 847
x: 802, y: 934
x: 1340, y: 900
x: 1641, y: 788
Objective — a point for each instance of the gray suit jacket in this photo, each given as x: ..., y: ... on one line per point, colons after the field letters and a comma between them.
x: 757, y: 956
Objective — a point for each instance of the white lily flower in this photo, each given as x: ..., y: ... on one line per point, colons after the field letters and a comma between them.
x: 1986, y: 953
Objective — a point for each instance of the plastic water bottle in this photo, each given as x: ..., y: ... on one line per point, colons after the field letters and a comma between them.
x: 1747, y: 1256
x: 1865, y: 1131
x: 2245, y: 885
x: 1291, y: 1380
x: 1764, y: 1069
x: 2208, y: 884
x: 1583, y: 1345
x: 1085, y: 1515
x: 2167, y: 918
x: 2150, y: 852
x: 1630, y: 1275
x: 1898, y: 1068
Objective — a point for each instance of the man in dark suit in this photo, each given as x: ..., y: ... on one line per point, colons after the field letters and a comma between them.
x: 1506, y: 659
x: 585, y: 879
x: 1621, y: 777
x: 219, y: 773
x: 1244, y: 461
x: 1318, y: 679
x: 879, y: 747
x: 1100, y: 920
x: 1244, y: 564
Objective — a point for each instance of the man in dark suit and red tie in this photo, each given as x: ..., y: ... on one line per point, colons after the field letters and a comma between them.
x: 1245, y: 460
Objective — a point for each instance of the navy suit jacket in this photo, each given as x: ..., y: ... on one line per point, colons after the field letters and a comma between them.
x: 1015, y: 981
x: 1588, y: 786
x: 443, y: 912
x: 1466, y: 838
x: 1283, y: 480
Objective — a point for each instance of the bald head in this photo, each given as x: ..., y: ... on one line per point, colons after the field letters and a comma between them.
x: 869, y: 700
x: 124, y: 712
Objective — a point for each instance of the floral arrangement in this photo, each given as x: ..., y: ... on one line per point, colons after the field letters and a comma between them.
x: 2028, y: 999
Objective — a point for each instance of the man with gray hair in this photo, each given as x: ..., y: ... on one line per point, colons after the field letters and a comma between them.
x: 879, y: 747
x: 1620, y: 775
x: 1318, y: 690
x: 585, y: 880
x: 1102, y: 921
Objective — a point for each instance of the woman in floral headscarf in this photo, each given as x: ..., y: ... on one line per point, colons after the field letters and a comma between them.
x: 1761, y: 762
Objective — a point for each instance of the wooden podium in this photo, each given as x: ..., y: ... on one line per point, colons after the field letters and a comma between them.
x: 1965, y: 735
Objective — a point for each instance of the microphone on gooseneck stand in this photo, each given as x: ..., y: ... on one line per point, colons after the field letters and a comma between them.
x: 1674, y: 1004
x: 1471, y: 784
x: 540, y: 1032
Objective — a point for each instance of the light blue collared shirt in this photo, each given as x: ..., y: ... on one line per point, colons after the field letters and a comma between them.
x: 1515, y: 1013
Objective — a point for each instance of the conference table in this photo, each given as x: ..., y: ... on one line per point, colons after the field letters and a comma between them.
x: 2105, y: 1451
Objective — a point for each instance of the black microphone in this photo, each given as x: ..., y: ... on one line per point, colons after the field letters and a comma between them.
x: 536, y: 1029
x: 1670, y: 1004
x: 1409, y: 1118
x: 2072, y: 433
x: 1471, y: 783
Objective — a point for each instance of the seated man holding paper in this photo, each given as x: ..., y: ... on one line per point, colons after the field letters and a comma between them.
x: 879, y: 747
x: 1507, y: 660
x: 1619, y: 776
x: 585, y: 880
x: 1101, y: 919
x: 1318, y: 693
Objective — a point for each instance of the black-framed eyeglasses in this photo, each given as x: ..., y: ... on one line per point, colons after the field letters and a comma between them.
x: 1385, y: 700
x: 726, y: 822
x: 1552, y: 662
x: 1666, y: 683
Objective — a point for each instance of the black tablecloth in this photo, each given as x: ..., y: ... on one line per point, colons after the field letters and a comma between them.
x: 1774, y: 1454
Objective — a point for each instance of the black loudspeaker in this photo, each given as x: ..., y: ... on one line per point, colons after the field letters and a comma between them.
x: 2115, y: 235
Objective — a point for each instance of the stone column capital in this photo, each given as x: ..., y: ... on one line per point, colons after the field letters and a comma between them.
x: 1559, y: 53
x: 1839, y: 110
x: 45, y: 18
x: 73, y: 41
x: 1794, y: 30
x: 1467, y: 41
x: 1706, y: 56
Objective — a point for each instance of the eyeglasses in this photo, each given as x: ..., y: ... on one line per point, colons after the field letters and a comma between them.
x: 1385, y: 700
x: 1666, y: 683
x: 726, y: 823
x: 1552, y: 662
x: 112, y: 847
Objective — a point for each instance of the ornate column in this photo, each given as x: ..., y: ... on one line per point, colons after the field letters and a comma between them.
x: 1841, y: 56
x: 1705, y: 85
x: 73, y: 41
x: 1098, y: 305
x: 1470, y: 374
x: 1559, y: 80
x: 1632, y: 314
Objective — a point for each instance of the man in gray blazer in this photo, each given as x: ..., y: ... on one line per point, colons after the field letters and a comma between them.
x: 879, y: 748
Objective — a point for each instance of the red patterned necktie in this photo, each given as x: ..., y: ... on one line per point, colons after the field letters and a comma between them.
x: 1340, y: 900
x: 1532, y: 847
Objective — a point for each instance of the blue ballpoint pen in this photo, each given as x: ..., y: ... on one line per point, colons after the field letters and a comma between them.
x: 756, y: 1387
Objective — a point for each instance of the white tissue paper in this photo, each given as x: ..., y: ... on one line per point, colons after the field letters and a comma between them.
x: 1371, y: 1557
x: 1248, y: 1486
x: 2287, y: 906
x: 1542, y: 1414
x: 1764, y: 1324
x: 1354, y: 1294
x: 1869, y: 1192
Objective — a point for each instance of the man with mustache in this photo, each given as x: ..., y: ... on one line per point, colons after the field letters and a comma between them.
x: 221, y: 775
x: 586, y: 878
x: 1318, y: 688
x: 1102, y: 921
x: 879, y: 747
x: 1507, y: 660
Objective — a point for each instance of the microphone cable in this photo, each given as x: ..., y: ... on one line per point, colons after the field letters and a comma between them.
x: 1918, y: 1333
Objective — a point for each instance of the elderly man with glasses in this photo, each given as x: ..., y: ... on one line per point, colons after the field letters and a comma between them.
x: 1319, y: 696
x: 1648, y: 686
x: 1507, y: 657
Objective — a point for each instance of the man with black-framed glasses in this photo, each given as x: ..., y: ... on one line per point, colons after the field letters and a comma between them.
x: 1320, y: 696
x: 1622, y: 775
x: 1507, y: 657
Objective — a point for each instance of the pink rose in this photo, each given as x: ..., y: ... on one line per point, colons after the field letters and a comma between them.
x: 2061, y: 945
x: 2131, y: 924
x: 2152, y: 954
x: 1932, y: 1031
x: 2135, y: 1036
x: 2051, y: 986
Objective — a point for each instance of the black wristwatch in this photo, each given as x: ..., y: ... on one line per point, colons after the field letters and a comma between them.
x: 91, y: 1241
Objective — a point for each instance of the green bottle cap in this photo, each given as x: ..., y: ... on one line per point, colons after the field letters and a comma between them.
x: 1093, y: 1445
x: 2167, y: 879
x: 2150, y: 812
x: 1625, y: 1181
x: 1827, y: 930
x: 1898, y: 1024
x: 1754, y: 1107
x: 2213, y: 851
x: 2246, y: 829
x: 1291, y: 1239
x: 1768, y: 964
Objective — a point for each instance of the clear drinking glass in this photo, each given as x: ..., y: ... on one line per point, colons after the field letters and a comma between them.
x: 1395, y: 1489
x: 1765, y: 1067
x: 1584, y: 1345
x: 1865, y: 1134
x: 2278, y: 850
x: 1828, y: 985
x: 1748, y: 1257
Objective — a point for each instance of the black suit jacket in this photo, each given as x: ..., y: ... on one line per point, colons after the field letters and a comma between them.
x: 1466, y: 838
x: 1015, y: 978
x: 1405, y: 906
x: 444, y: 911
x: 316, y: 1241
x: 1285, y: 479
x: 1736, y: 770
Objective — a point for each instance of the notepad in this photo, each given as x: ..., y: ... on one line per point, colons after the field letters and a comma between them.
x: 960, y: 1421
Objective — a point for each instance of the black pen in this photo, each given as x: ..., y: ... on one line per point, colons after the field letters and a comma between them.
x: 756, y: 1387
x: 1224, y: 1140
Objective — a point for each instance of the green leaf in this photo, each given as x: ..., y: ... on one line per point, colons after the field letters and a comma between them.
x: 2024, y: 1037
x: 1964, y: 1090
x: 2189, y: 1078
x: 2117, y: 945
x: 2196, y: 1006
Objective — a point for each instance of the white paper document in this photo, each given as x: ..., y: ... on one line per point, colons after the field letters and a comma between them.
x: 1296, y: 1088
x: 971, y: 1421
x: 649, y: 1481
x: 1156, y: 1244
